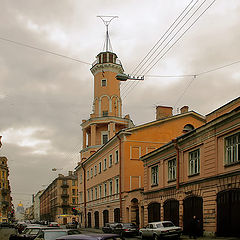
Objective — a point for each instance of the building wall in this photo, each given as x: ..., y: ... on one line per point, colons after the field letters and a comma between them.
x: 5, y: 198
x: 58, y: 198
x: 134, y: 144
x: 214, y: 174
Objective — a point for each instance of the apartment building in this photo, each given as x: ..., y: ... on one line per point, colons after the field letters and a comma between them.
x: 5, y: 198
x: 58, y: 199
x: 198, y: 173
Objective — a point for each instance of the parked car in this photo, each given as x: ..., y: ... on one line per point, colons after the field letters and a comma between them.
x: 104, y: 236
x: 159, y: 230
x: 126, y: 229
x: 53, y: 224
x: 29, y: 233
x: 109, y: 227
x: 72, y: 225
x: 55, y: 233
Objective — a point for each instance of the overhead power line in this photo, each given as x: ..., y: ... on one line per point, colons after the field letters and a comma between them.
x: 135, y: 71
x: 147, y: 70
x: 42, y: 50
x: 194, y: 75
x: 157, y: 45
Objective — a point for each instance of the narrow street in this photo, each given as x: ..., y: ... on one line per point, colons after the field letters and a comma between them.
x: 184, y: 237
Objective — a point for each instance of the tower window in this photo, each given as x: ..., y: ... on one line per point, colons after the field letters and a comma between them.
x: 104, y: 82
x: 104, y: 137
x: 105, y: 113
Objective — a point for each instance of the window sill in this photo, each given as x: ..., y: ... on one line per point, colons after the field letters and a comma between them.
x: 154, y: 185
x: 231, y: 164
x: 172, y: 180
x: 193, y: 175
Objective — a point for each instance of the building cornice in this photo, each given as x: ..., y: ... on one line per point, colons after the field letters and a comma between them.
x: 111, y: 67
x: 106, y: 119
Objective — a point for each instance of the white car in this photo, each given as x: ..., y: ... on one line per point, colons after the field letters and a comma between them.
x: 160, y: 230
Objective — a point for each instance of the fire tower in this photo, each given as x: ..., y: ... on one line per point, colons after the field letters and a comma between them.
x: 106, y: 119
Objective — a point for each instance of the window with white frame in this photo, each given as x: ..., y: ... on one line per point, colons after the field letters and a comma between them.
x: 172, y: 169
x: 154, y: 174
x: 91, y: 172
x: 232, y: 149
x: 105, y: 189
x: 87, y: 174
x: 100, y: 191
x: 194, y: 162
x: 95, y: 170
x: 105, y: 164
x: 110, y: 160
x: 110, y: 187
x: 96, y: 196
x: 100, y: 167
x: 116, y: 157
x: 117, y: 185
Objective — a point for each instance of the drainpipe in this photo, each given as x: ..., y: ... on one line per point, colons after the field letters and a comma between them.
x: 84, y: 192
x: 120, y: 176
x: 178, y: 161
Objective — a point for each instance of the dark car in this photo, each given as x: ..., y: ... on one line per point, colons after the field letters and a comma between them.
x: 29, y: 233
x: 55, y: 233
x: 91, y: 237
x: 109, y: 227
x: 126, y: 229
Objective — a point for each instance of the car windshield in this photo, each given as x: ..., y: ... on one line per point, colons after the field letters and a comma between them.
x: 168, y: 224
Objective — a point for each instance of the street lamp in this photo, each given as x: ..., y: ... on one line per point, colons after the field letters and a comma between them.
x: 125, y: 77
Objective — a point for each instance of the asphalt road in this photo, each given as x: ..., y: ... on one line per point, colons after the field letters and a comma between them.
x: 89, y: 230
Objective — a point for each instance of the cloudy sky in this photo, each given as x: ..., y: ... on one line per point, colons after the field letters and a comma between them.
x: 44, y: 97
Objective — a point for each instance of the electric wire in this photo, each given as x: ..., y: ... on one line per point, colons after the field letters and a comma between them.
x: 133, y: 84
x: 143, y: 71
x: 136, y: 83
x: 147, y: 57
x: 42, y: 50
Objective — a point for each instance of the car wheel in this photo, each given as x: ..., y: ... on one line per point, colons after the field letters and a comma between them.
x: 155, y: 237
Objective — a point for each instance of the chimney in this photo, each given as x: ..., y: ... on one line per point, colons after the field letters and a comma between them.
x: 70, y: 173
x: 184, y: 109
x: 163, y: 112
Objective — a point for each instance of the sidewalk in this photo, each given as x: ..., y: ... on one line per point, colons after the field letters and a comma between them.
x: 183, y: 237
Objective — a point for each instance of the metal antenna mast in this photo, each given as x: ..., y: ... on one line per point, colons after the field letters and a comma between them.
x: 107, y: 20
